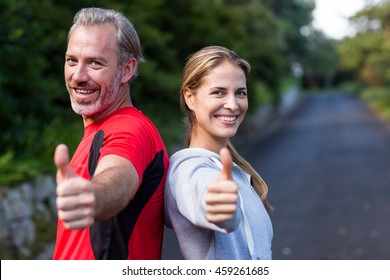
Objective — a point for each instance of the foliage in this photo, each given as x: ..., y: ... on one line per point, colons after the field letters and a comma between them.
x: 295, y: 20
x: 12, y: 170
x: 368, y: 53
x: 259, y: 96
x: 30, y: 82
x: 37, y: 158
x: 308, y: 53
x: 320, y: 65
x: 367, y: 56
x: 34, y: 106
x: 379, y: 100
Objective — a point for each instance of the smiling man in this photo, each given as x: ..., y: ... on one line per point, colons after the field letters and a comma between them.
x: 110, y: 194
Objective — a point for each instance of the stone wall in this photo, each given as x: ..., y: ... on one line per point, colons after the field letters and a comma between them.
x: 28, y: 219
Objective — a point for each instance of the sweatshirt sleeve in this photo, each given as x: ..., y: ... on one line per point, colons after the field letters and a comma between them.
x: 188, y: 180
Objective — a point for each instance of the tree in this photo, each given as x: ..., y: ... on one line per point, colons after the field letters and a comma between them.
x: 295, y: 20
x: 368, y: 52
x: 321, y: 62
x: 34, y: 106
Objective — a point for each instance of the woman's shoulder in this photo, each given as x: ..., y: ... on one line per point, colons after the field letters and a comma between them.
x: 192, y: 153
x: 191, y: 158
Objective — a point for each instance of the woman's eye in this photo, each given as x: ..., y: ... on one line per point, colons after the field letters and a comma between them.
x: 241, y: 93
x: 218, y: 92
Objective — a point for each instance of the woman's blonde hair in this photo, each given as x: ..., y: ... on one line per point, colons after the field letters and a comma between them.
x: 196, y: 68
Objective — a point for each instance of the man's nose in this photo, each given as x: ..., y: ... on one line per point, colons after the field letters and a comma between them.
x: 80, y: 74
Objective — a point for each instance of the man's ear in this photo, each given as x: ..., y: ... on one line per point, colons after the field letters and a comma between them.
x: 128, y: 69
x: 188, y: 97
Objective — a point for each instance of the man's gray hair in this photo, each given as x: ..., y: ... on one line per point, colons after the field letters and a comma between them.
x: 128, y: 41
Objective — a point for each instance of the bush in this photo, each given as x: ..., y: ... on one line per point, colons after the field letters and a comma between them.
x: 379, y: 99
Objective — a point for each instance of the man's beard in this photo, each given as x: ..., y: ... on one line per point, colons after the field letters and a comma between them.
x: 100, y: 104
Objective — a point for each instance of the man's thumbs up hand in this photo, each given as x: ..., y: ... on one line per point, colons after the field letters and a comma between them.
x: 222, y: 195
x: 61, y: 160
x: 75, y: 197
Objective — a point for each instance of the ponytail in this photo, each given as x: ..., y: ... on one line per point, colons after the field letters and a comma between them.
x: 257, y: 182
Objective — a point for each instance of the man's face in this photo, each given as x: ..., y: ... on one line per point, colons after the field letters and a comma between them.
x: 92, y: 76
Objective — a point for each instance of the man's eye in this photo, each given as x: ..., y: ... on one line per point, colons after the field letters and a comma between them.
x: 70, y: 61
x: 96, y: 63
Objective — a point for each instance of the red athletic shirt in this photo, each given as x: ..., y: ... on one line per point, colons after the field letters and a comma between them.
x: 137, y: 231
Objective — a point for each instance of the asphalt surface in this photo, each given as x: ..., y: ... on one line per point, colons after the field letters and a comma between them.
x: 328, y: 170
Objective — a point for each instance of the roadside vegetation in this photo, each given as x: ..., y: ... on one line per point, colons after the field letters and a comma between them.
x: 277, y: 37
x: 367, y: 56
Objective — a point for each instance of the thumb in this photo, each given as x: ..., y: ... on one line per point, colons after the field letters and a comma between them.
x: 227, y: 162
x: 61, y: 160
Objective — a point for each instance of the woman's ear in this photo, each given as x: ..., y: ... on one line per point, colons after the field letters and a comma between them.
x: 188, y: 97
x: 128, y: 69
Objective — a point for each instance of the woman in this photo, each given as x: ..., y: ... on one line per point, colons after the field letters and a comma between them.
x: 214, y: 200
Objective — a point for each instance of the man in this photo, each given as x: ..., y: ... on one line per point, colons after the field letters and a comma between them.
x: 110, y: 195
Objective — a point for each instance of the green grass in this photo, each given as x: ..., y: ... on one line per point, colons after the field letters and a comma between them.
x: 379, y: 99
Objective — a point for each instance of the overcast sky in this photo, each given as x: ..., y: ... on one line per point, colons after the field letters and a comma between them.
x: 331, y: 16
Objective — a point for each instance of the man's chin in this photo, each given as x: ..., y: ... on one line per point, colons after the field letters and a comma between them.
x: 83, y: 111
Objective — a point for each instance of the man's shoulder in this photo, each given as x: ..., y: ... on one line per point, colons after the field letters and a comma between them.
x: 128, y: 118
x: 128, y: 112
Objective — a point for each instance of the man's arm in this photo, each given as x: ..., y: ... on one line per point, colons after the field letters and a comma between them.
x: 81, y: 202
x: 115, y: 183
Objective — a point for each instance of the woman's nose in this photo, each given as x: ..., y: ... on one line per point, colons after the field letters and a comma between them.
x: 231, y: 102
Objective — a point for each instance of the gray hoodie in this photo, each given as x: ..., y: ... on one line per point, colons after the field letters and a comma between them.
x: 247, y: 236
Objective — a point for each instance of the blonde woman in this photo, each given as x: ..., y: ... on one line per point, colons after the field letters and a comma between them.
x: 214, y: 200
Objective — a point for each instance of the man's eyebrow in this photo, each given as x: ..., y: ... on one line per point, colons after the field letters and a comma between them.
x: 92, y: 58
x: 98, y: 58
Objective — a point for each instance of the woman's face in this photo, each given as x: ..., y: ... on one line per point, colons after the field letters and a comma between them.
x: 219, y: 105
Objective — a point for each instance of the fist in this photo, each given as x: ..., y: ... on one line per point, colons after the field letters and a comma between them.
x: 75, y: 197
x: 222, y: 195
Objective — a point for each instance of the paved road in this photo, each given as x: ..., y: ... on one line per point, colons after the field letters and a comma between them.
x: 328, y: 171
